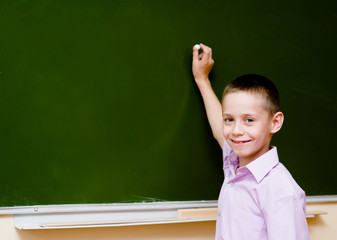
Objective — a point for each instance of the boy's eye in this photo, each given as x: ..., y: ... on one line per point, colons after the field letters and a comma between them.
x: 228, y: 120
x: 249, y: 120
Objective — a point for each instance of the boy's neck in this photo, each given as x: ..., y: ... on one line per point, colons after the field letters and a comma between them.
x: 245, y: 161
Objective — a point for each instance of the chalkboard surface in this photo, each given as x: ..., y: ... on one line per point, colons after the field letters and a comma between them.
x: 98, y: 103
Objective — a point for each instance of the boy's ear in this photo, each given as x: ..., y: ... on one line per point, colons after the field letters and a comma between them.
x: 277, y: 122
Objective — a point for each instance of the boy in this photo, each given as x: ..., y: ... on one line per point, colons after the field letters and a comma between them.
x: 259, y: 198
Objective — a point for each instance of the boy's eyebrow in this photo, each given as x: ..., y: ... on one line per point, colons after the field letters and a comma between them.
x: 243, y: 115
x: 226, y: 114
x: 250, y: 114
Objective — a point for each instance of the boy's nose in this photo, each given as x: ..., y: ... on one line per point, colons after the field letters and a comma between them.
x: 237, y: 129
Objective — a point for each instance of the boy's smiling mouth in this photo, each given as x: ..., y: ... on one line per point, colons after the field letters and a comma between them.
x: 240, y: 142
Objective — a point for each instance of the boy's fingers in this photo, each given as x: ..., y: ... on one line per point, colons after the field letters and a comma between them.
x: 205, y: 55
x: 195, y: 54
x: 207, y: 50
x: 201, y: 55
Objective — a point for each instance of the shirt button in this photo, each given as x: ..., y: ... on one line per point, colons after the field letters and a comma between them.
x: 231, y: 184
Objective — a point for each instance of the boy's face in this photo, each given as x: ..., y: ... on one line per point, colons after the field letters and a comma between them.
x: 247, y: 125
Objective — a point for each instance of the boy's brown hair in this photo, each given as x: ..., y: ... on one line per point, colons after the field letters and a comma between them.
x: 258, y: 84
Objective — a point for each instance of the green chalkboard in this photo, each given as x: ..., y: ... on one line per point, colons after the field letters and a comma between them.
x: 98, y: 103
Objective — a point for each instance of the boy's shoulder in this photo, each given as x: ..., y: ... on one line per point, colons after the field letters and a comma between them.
x: 280, y: 183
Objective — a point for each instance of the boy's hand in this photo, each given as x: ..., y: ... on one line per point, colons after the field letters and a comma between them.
x: 202, y: 63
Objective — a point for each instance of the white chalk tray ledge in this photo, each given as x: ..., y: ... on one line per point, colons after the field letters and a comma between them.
x: 122, y: 214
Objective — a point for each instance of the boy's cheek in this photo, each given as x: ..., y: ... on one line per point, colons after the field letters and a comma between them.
x: 226, y: 129
x: 225, y: 132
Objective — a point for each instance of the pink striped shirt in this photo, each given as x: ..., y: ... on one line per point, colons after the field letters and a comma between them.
x: 261, y: 202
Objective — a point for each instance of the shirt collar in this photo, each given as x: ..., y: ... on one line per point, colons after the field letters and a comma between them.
x: 229, y: 158
x: 261, y: 166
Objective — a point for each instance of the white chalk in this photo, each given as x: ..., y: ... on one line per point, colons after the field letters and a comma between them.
x: 197, y: 46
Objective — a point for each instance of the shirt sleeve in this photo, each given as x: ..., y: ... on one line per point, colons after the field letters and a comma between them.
x: 285, y: 219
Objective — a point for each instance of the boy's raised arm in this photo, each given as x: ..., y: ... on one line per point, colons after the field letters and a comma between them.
x: 201, y: 67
